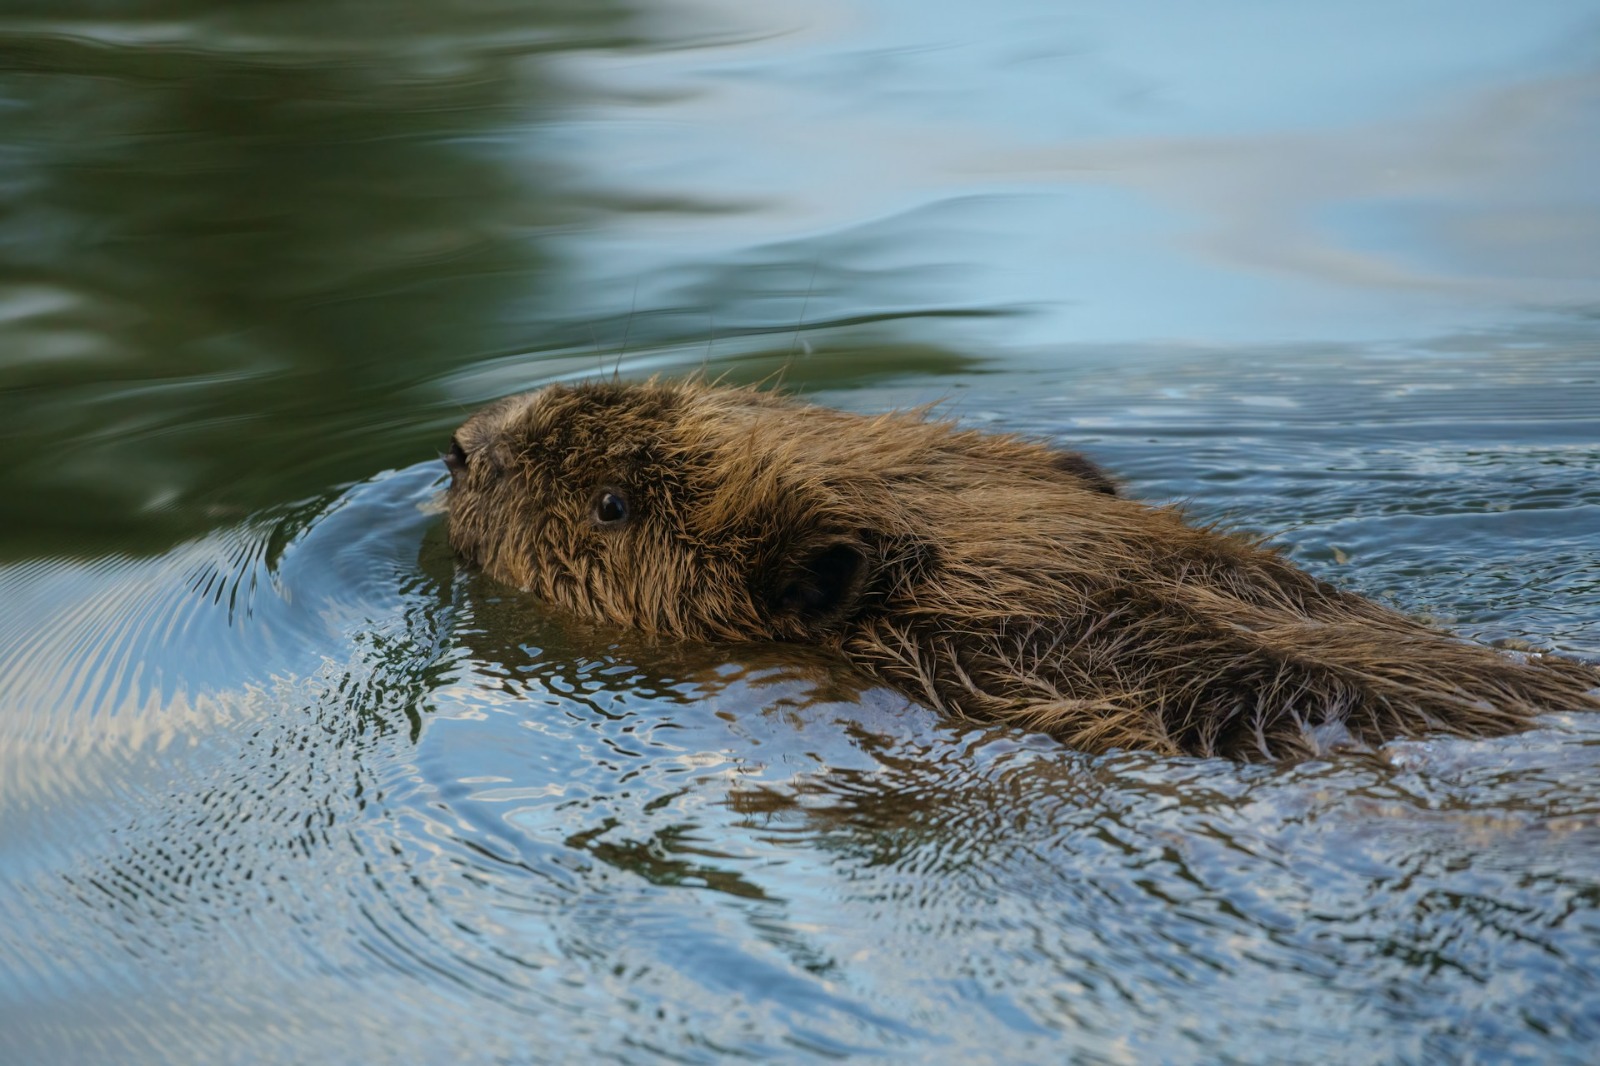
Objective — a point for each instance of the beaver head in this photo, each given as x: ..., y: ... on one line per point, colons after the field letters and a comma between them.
x: 622, y: 505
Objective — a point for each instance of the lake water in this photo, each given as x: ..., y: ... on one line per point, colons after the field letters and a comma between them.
x: 281, y: 782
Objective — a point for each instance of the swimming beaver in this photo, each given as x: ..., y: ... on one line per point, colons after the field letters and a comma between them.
x: 990, y: 576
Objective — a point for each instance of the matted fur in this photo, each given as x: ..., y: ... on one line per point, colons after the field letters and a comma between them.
x: 989, y: 576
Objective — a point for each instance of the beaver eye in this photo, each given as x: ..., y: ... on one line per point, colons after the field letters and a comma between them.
x: 609, y: 509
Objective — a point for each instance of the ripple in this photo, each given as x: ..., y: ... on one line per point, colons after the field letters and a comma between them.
x: 110, y: 657
x: 306, y: 769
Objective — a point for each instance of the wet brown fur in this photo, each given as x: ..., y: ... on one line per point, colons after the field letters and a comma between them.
x: 989, y: 576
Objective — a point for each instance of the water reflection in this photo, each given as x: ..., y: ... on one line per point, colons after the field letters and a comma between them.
x: 235, y: 235
x: 1125, y: 173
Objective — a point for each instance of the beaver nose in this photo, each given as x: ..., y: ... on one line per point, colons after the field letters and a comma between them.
x: 456, y: 460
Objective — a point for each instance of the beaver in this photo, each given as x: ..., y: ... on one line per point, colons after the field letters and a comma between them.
x: 987, y: 575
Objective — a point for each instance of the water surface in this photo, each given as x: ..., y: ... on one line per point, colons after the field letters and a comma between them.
x: 279, y: 780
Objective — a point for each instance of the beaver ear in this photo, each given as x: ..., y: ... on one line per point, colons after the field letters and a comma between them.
x: 1084, y: 470
x: 819, y: 583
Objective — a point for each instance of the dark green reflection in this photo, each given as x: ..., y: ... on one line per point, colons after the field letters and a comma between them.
x: 229, y: 236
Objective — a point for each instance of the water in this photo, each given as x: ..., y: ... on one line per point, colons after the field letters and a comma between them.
x: 280, y: 781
